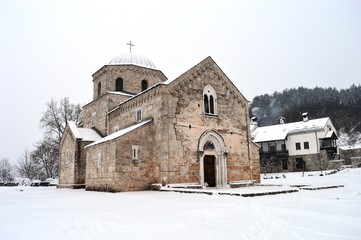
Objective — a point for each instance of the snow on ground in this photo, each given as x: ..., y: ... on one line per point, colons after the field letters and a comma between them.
x: 50, y: 213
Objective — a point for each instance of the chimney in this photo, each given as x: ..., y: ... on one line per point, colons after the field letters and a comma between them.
x: 282, y: 120
x: 305, y: 117
x: 254, y: 121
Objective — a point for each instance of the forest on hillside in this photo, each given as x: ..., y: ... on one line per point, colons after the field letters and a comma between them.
x: 342, y: 106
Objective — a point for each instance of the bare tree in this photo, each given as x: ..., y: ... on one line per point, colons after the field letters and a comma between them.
x: 56, y: 115
x: 27, y: 167
x: 46, y: 156
x: 5, y: 171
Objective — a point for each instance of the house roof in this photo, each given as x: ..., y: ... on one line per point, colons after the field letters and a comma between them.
x: 84, y: 134
x: 119, y: 133
x: 280, y: 131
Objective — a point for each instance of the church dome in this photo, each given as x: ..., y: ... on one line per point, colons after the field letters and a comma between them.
x: 134, y: 59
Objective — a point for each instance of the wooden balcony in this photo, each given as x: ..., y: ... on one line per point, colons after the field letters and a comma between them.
x: 273, y: 153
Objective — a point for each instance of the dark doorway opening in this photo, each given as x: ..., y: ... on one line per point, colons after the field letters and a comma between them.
x: 209, y: 170
x: 285, y: 164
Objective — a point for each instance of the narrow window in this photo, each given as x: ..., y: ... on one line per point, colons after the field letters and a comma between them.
x: 206, y: 104
x: 211, y: 104
x: 135, y: 150
x: 138, y: 115
x: 306, y: 145
x: 99, y: 88
x: 119, y: 84
x: 144, y: 85
x: 116, y: 129
x: 67, y: 156
x: 298, y: 146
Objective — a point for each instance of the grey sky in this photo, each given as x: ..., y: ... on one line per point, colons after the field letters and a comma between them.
x: 50, y: 49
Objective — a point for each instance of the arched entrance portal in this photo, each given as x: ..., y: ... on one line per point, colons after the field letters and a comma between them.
x: 212, y: 159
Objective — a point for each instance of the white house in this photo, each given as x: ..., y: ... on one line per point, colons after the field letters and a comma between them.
x: 307, y: 145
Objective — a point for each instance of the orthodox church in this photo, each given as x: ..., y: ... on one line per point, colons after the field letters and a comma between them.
x: 142, y: 129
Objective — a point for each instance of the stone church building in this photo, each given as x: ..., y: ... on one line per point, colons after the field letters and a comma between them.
x: 141, y: 129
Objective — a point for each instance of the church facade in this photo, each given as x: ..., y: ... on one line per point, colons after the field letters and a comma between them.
x: 142, y: 129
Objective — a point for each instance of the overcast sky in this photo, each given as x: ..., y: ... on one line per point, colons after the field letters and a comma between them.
x: 50, y: 49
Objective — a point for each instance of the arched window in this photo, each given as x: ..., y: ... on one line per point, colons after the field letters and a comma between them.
x: 206, y: 103
x: 211, y: 104
x: 99, y: 88
x: 209, y: 100
x: 119, y: 84
x: 144, y: 85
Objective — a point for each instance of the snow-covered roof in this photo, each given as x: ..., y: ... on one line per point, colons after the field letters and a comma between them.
x: 119, y: 133
x: 134, y: 59
x: 122, y: 93
x: 280, y: 131
x: 270, y: 135
x: 329, y: 134
x: 85, y: 134
x: 351, y: 147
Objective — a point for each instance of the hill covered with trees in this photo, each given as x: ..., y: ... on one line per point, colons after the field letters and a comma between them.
x: 342, y: 106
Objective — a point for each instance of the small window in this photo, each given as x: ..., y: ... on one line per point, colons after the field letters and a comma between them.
x: 67, y: 156
x: 306, y: 145
x: 138, y: 115
x: 135, y: 151
x: 116, y: 129
x: 99, y: 88
x: 144, y: 85
x: 298, y: 146
x: 283, y: 147
x: 119, y: 84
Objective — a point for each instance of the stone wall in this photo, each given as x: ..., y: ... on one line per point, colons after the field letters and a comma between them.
x: 132, y: 77
x: 100, y: 107
x: 347, y: 154
x: 72, y: 161
x: 355, y: 162
x: 111, y: 167
x: 67, y: 159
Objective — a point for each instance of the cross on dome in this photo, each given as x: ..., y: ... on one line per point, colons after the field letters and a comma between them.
x: 130, y: 46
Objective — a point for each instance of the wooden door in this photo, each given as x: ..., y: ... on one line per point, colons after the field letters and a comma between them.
x: 210, y: 170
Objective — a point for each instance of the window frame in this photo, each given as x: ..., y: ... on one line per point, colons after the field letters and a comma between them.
x: 298, y: 146
x: 138, y: 115
x: 209, y: 101
x: 119, y: 84
x: 144, y: 85
x: 306, y: 145
x: 135, y: 152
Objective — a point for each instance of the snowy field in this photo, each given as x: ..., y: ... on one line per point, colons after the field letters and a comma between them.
x: 50, y: 213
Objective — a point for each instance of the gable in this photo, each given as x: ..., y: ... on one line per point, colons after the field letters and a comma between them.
x: 209, y: 69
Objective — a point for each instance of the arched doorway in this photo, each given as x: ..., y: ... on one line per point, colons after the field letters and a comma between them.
x: 212, y: 159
